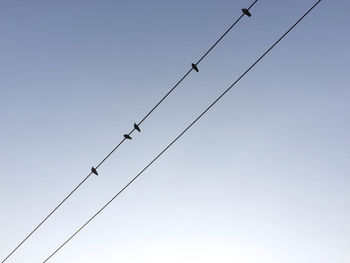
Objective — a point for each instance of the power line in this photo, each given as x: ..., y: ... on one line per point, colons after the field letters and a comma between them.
x: 182, y: 133
x: 127, y: 136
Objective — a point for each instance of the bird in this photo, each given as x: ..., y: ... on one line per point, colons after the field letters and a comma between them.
x: 137, y: 127
x: 93, y: 170
x: 194, y: 66
x: 127, y: 136
x: 246, y: 12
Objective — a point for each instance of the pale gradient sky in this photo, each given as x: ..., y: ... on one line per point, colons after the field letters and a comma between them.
x: 263, y: 177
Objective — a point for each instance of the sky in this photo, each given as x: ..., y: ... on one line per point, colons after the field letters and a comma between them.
x: 262, y: 177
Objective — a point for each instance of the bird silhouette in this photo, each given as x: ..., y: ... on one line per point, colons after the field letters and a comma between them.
x: 194, y: 66
x: 246, y: 12
x: 137, y: 127
x: 127, y: 136
x: 93, y: 170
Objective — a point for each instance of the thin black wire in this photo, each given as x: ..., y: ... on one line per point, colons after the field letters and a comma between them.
x: 116, y: 147
x: 183, y: 132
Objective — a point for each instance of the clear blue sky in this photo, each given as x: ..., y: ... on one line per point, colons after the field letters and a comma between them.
x: 263, y: 177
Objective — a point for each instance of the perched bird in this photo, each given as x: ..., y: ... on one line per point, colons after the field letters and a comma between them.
x: 194, y: 66
x: 93, y: 170
x: 246, y: 12
x: 137, y: 127
x: 127, y: 136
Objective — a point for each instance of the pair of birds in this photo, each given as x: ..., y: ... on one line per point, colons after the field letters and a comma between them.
x: 194, y: 67
x: 246, y: 12
x: 136, y: 127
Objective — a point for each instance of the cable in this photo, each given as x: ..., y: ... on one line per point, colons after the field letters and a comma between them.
x: 116, y: 147
x: 182, y: 133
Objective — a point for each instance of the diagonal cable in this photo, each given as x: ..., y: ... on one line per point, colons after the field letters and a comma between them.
x: 182, y: 133
x: 118, y: 145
